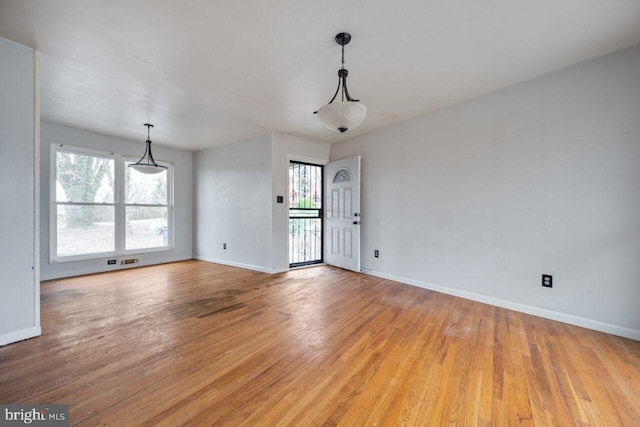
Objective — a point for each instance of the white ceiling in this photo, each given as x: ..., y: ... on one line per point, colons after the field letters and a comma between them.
x: 208, y: 72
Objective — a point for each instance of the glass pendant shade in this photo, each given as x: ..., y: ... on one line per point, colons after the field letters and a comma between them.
x: 347, y: 113
x: 148, y: 169
x: 342, y: 116
x: 146, y: 164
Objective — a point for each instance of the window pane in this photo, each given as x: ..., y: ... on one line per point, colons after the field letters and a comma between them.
x: 146, y: 227
x: 305, y: 240
x: 145, y: 189
x: 85, y: 230
x: 83, y: 178
x: 305, y: 182
x: 342, y: 175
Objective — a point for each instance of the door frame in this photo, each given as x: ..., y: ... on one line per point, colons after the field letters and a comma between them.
x: 321, y: 165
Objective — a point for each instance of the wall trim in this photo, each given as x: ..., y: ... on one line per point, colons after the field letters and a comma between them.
x: 22, y: 334
x: 595, y: 325
x: 36, y: 187
x: 108, y: 268
x: 242, y: 265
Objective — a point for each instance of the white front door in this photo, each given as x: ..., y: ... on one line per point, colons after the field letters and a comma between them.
x: 342, y: 214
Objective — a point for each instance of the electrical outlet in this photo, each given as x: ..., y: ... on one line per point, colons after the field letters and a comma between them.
x: 376, y: 253
x: 547, y: 281
x: 224, y: 246
x: 111, y: 262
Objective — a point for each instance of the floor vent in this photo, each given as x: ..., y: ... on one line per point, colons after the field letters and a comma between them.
x: 129, y: 261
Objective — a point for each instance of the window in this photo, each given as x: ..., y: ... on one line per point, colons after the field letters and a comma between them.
x: 102, y: 207
x: 146, y: 209
x: 342, y: 175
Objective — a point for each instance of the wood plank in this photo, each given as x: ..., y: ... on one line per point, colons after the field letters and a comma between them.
x: 195, y: 343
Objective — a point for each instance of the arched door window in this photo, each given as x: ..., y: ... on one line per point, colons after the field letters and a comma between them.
x: 343, y: 175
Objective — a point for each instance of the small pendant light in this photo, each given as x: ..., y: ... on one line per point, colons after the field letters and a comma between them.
x: 348, y: 113
x: 149, y: 166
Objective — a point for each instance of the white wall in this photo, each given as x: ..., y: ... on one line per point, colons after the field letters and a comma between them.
x: 19, y: 283
x: 479, y: 200
x: 232, y: 186
x: 236, y: 187
x: 182, y: 188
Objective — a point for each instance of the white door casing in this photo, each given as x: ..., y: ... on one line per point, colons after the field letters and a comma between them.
x: 342, y: 214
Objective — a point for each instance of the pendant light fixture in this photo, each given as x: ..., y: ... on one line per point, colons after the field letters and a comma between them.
x: 148, y: 166
x: 348, y: 113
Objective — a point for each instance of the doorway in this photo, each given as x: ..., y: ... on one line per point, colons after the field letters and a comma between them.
x: 305, y: 213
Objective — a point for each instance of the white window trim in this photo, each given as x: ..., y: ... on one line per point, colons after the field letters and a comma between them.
x: 120, y: 234
x: 119, y: 205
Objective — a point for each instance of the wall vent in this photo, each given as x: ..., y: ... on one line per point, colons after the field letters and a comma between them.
x: 129, y: 261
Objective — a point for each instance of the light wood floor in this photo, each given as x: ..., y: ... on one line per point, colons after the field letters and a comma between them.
x: 194, y: 343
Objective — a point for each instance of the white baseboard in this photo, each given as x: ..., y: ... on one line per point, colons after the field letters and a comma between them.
x: 242, y: 265
x: 106, y: 268
x: 20, y: 335
x: 608, y: 328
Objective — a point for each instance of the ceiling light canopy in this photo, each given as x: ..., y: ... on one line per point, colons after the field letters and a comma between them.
x: 348, y: 113
x: 146, y: 164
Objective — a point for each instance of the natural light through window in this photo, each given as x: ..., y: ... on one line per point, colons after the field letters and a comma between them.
x: 146, y: 209
x: 102, y: 207
x: 85, y: 219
